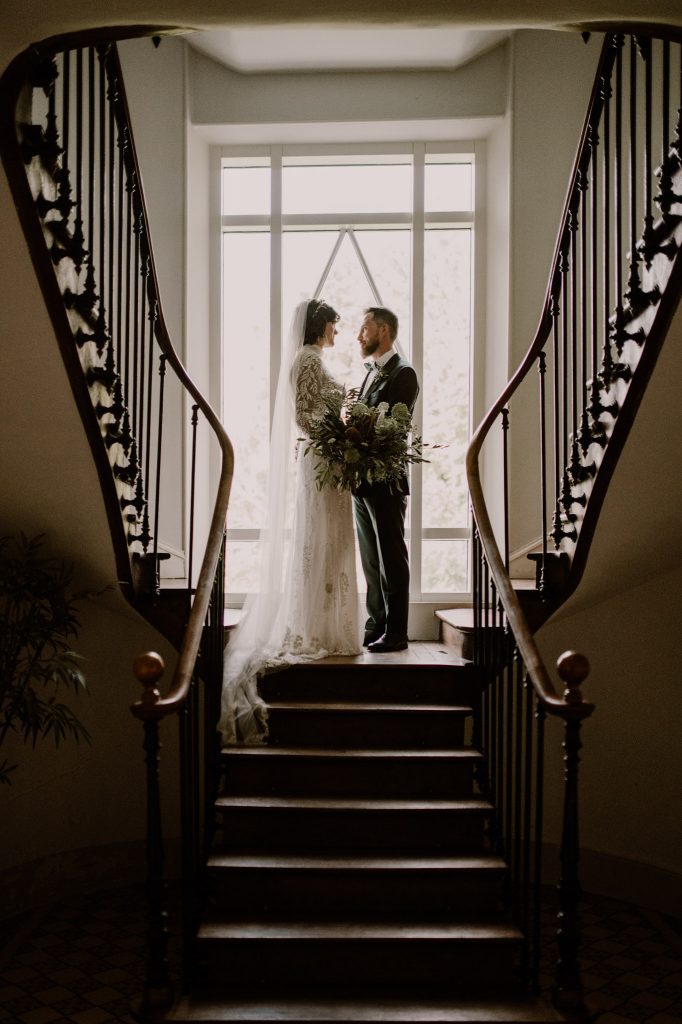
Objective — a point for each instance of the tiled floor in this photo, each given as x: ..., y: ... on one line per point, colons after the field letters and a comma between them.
x: 85, y: 961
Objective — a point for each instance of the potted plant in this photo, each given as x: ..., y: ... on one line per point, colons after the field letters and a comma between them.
x: 38, y: 620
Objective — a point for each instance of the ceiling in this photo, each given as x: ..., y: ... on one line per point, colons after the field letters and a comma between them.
x: 291, y: 48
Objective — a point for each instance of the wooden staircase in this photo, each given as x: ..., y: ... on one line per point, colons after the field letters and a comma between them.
x: 351, y: 876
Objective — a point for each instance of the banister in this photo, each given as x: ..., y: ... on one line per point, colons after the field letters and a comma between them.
x: 658, y: 233
x: 596, y: 345
x: 13, y: 79
x: 188, y: 654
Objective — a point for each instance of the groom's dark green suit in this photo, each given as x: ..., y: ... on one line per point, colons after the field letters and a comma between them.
x: 380, y: 516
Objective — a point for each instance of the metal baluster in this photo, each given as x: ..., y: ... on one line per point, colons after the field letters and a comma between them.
x: 648, y: 243
x: 146, y: 532
x: 505, y: 472
x: 606, y: 361
x: 508, y: 767
x: 128, y: 289
x: 142, y: 339
x: 619, y: 370
x: 89, y: 295
x: 476, y: 591
x: 557, y: 531
x: 542, y: 369
x: 159, y: 437
x: 102, y: 189
x: 187, y: 802
x: 192, y: 489
x: 597, y: 430
x: 518, y: 783
x: 112, y: 208
x: 540, y: 716
x: 135, y: 322
x: 79, y: 241
x: 567, y: 991
x: 499, y: 714
x: 564, y: 265
x: 527, y: 818
x: 157, y: 992
x: 493, y: 696
x: 587, y: 239
x: 634, y: 292
x: 64, y: 202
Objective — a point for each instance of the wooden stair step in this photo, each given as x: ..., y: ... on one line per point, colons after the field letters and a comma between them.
x: 361, y: 952
x: 343, y: 823
x: 350, y: 772
x: 389, y: 1007
x: 353, y: 931
x: 367, y: 682
x: 367, y: 725
x: 325, y: 885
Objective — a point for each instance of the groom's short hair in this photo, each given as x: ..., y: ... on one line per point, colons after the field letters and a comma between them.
x: 385, y: 316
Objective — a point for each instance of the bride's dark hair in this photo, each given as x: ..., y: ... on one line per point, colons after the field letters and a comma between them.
x: 318, y: 316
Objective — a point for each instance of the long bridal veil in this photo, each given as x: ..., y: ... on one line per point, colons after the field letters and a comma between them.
x: 258, y: 639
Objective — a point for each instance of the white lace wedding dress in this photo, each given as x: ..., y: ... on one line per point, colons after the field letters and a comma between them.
x: 310, y: 609
x: 324, y: 610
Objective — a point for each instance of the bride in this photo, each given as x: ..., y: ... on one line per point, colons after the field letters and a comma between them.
x: 306, y: 605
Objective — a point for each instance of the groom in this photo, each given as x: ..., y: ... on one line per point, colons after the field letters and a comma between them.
x: 380, y: 513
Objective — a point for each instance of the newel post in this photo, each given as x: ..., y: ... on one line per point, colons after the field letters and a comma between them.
x: 157, y: 992
x: 567, y: 991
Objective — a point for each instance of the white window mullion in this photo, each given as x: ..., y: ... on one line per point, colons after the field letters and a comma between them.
x: 275, y: 271
x: 417, y: 362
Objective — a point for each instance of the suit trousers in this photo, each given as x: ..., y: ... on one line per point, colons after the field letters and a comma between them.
x: 380, y: 522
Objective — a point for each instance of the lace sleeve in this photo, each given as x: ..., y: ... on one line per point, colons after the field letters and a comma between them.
x: 309, y: 384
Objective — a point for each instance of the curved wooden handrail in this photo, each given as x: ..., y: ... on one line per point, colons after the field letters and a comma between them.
x: 11, y: 84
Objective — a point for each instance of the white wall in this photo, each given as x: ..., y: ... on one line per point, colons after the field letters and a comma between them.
x: 220, y: 96
x: 493, y: 372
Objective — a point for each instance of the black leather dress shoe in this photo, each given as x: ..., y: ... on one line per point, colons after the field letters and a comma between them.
x: 371, y: 638
x: 388, y: 643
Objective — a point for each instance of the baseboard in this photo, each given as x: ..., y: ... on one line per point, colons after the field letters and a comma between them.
x: 73, y: 873
x: 605, y: 874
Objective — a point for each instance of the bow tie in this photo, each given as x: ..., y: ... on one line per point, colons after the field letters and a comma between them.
x: 370, y: 365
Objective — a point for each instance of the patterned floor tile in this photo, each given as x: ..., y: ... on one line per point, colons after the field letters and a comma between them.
x: 85, y: 963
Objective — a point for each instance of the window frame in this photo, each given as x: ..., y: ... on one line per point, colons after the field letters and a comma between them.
x: 419, y: 221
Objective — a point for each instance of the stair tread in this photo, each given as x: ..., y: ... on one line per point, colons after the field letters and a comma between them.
x: 366, y: 707
x: 259, y: 929
x: 420, y: 1007
x: 354, y: 862
x: 353, y: 803
x: 464, y: 753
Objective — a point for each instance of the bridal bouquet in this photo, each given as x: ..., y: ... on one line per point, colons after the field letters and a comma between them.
x: 365, y: 444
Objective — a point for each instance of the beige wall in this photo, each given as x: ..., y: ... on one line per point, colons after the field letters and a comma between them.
x: 631, y: 762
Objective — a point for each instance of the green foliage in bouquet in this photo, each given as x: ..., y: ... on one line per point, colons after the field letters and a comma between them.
x: 365, y: 444
x: 38, y: 616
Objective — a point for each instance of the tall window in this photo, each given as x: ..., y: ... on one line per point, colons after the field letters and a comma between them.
x: 358, y: 228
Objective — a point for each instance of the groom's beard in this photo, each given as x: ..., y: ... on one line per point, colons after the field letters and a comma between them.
x: 369, y: 348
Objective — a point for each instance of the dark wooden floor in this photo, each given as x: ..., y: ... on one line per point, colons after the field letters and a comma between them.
x: 420, y: 652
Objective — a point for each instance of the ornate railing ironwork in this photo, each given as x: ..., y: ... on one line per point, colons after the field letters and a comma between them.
x: 614, y: 286
x: 69, y: 153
